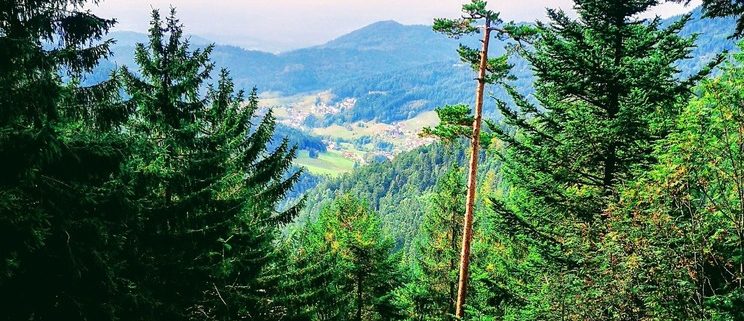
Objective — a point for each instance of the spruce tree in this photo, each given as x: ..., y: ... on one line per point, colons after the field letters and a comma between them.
x: 313, y: 286
x: 61, y: 203
x: 683, y: 218
x: 252, y: 192
x: 171, y: 234
x: 431, y: 293
x: 606, y: 90
x: 206, y: 185
x: 344, y: 266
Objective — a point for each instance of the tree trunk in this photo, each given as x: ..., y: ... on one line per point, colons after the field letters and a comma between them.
x: 467, y: 234
x: 610, y: 165
x: 359, y: 297
x: 453, y: 265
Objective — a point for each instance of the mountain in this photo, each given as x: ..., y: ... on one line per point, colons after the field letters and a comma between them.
x: 397, y: 189
x: 363, y: 85
x: 390, y: 73
x: 382, y: 47
x: 131, y: 38
x: 393, y: 71
x: 417, y: 41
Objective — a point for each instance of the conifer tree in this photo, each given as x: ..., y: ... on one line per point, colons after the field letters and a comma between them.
x: 346, y: 263
x: 683, y: 219
x: 61, y: 204
x: 253, y: 185
x: 171, y: 237
x: 432, y: 291
x: 313, y: 286
x: 207, y: 186
x: 457, y: 121
x: 606, y: 90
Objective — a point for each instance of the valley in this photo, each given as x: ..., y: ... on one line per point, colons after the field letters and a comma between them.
x: 585, y: 165
x: 363, y: 94
x: 348, y: 145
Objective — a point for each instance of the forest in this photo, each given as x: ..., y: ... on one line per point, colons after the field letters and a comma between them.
x: 613, y: 189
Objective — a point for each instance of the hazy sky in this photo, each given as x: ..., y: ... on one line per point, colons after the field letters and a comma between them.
x: 289, y: 24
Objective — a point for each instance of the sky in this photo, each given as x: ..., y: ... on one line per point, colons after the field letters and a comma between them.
x: 281, y: 25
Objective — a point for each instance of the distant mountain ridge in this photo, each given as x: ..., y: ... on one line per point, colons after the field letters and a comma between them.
x: 393, y: 71
x: 390, y: 35
x: 131, y: 38
x: 380, y: 47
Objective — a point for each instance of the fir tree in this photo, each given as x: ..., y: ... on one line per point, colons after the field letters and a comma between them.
x: 253, y: 186
x: 61, y: 204
x: 207, y: 186
x: 313, y: 286
x: 683, y: 219
x: 347, y: 266
x: 606, y: 90
x: 431, y: 293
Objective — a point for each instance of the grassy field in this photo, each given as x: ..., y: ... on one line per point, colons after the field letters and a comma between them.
x: 408, y: 130
x: 292, y: 110
x: 425, y: 119
x: 354, y: 130
x: 330, y: 163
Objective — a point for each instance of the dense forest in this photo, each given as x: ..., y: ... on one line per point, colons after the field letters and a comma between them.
x: 613, y: 189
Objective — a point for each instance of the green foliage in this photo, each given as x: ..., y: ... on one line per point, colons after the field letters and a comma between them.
x: 206, y: 185
x: 299, y: 138
x: 431, y: 291
x: 60, y: 197
x: 615, y: 206
x: 684, y: 254
x: 456, y: 121
x: 397, y: 189
x: 432, y: 267
x: 160, y: 207
x: 606, y: 89
x: 342, y: 266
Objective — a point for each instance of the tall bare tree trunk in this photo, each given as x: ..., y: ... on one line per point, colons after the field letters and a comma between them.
x: 359, y: 296
x: 467, y: 235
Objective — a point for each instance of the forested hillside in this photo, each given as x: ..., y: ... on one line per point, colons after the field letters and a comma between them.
x: 370, y: 79
x: 157, y: 178
x: 399, y: 189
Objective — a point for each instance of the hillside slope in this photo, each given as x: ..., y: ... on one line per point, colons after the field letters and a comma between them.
x: 397, y: 189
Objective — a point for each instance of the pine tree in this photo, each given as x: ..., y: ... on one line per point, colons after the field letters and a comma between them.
x: 61, y: 203
x: 207, y: 186
x: 606, y: 90
x: 457, y: 121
